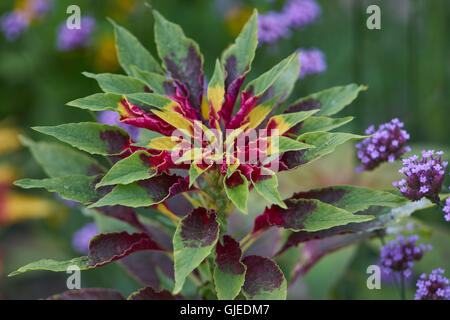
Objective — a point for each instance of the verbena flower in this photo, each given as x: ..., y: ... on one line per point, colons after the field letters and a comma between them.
x: 40, y: 7
x: 311, y: 61
x: 424, y: 178
x: 71, y: 39
x: 387, y: 143
x: 433, y: 286
x: 399, y: 255
x: 300, y: 13
x: 14, y: 24
x: 447, y: 209
x: 82, y: 237
x: 272, y: 27
x: 111, y: 118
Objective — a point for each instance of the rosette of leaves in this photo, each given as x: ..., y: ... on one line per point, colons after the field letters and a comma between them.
x: 161, y: 98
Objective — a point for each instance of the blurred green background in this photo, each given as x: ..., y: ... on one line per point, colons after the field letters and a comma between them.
x: 406, y: 65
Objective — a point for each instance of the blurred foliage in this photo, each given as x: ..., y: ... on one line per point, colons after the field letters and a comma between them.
x: 405, y: 64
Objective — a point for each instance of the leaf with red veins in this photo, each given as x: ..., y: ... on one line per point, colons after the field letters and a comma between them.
x: 133, y: 115
x: 109, y: 247
x: 263, y: 280
x: 248, y: 102
x: 149, y: 293
x: 89, y: 294
x: 237, y: 60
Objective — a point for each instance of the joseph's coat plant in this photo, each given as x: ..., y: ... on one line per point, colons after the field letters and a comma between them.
x: 133, y: 181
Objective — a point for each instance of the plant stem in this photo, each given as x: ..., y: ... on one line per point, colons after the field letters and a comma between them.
x: 402, y: 286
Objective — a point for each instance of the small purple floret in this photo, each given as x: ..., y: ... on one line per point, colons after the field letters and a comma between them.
x: 433, y: 286
x: 386, y: 144
x: 82, y: 237
x: 300, y: 13
x: 424, y: 178
x: 399, y: 255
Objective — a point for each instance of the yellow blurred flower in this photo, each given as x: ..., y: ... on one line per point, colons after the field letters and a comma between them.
x: 119, y: 10
x: 9, y: 138
x: 105, y: 57
x: 236, y: 17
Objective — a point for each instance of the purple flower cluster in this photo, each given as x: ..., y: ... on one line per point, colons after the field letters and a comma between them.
x: 399, y: 255
x: 424, y: 178
x: 13, y: 24
x: 311, y: 61
x: 387, y: 143
x: 433, y: 286
x: 40, y: 7
x: 446, y: 209
x: 82, y: 237
x: 271, y: 27
x: 300, y: 13
x: 295, y: 14
x: 71, y: 39
x: 111, y: 118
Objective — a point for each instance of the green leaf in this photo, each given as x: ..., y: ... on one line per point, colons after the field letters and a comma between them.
x: 97, y: 102
x: 229, y: 271
x: 324, y: 142
x: 90, y: 137
x: 238, y: 193
x: 77, y: 188
x: 261, y: 84
x: 157, y: 83
x: 181, y: 57
x: 335, y: 99
x: 59, y: 160
x: 133, y: 168
x: 195, y: 237
x: 142, y: 193
x: 154, y: 100
x: 308, y: 215
x: 351, y: 198
x: 52, y: 265
x: 285, y: 83
x: 263, y: 280
x: 117, y: 83
x: 267, y: 187
x: 131, y: 52
x: 322, y: 124
x: 237, y: 58
x: 286, y: 144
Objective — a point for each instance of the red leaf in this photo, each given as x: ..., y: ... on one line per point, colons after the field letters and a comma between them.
x: 109, y: 247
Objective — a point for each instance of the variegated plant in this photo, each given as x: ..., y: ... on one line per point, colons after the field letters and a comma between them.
x: 137, y: 182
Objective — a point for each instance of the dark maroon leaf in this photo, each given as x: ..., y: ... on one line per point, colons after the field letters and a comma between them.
x: 378, y: 223
x: 109, y: 247
x: 143, y: 266
x: 124, y: 214
x: 315, y: 250
x: 229, y: 255
x: 263, y: 277
x: 89, y: 294
x: 199, y: 228
x: 149, y: 293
